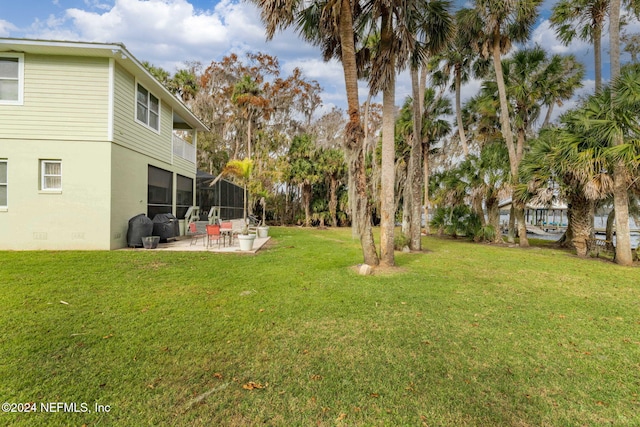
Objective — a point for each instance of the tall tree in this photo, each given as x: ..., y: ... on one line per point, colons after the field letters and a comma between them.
x: 384, y: 75
x: 330, y: 163
x: 460, y: 61
x: 248, y: 96
x: 407, y: 30
x: 497, y: 24
x: 434, y: 128
x: 620, y: 194
x: 563, y: 77
x: 303, y: 170
x: 436, y: 32
x: 584, y: 154
x: 330, y: 24
x: 583, y: 19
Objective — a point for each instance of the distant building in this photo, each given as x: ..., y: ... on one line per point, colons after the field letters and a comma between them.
x: 88, y: 139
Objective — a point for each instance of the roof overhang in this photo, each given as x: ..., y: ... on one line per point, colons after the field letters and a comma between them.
x: 555, y: 205
x: 183, y: 117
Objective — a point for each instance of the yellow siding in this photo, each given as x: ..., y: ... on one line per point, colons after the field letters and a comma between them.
x: 65, y: 98
x: 184, y: 167
x: 132, y: 134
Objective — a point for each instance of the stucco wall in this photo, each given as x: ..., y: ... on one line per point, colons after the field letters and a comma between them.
x: 73, y: 218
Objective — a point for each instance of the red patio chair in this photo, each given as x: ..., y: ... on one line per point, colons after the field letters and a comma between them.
x: 213, y: 233
x: 193, y: 231
x: 227, y: 227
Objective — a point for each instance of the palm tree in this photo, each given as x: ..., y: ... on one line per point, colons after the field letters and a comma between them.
x: 330, y: 24
x: 526, y: 75
x: 440, y: 24
x: 583, y: 19
x: 564, y: 75
x: 434, y: 128
x: 584, y: 156
x: 303, y: 170
x: 620, y: 194
x: 563, y: 156
x: 492, y: 182
x: 496, y: 25
x: 460, y: 60
x: 248, y: 96
x: 407, y: 30
x: 331, y: 165
x: 241, y: 169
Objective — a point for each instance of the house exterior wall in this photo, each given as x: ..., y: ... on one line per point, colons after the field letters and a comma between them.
x: 65, y: 98
x: 135, y: 148
x: 81, y: 111
x: 130, y: 133
x: 64, y: 117
x: 73, y: 218
x: 129, y: 174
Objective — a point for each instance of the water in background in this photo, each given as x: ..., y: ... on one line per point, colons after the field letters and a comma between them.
x: 599, y: 223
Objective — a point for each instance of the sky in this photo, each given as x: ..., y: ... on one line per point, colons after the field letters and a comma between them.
x: 168, y: 33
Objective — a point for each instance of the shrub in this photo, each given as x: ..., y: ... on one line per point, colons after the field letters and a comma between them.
x: 400, y: 241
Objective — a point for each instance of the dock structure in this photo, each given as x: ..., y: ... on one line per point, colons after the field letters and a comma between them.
x: 533, y: 229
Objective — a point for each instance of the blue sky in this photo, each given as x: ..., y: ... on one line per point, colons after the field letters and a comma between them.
x: 169, y: 32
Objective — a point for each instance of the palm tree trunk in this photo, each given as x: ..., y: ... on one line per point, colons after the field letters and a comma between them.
x: 547, y: 117
x: 463, y: 137
x: 581, y: 213
x: 477, y: 208
x: 425, y: 163
x: 306, y: 199
x: 353, y: 140
x: 511, y: 230
x: 333, y: 200
x: 244, y: 210
x: 597, y: 55
x: 493, y: 213
x: 414, y: 173
x: 609, y: 230
x: 520, y: 207
x: 405, y: 229
x: 624, y: 255
x: 422, y: 86
x: 522, y: 225
x: 507, y: 134
x: 387, y: 184
x: 505, y: 122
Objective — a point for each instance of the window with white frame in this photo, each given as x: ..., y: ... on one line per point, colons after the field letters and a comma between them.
x: 11, y: 78
x: 3, y: 183
x: 147, y: 108
x: 51, y: 175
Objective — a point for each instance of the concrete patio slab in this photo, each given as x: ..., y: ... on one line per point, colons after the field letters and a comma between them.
x: 183, y: 244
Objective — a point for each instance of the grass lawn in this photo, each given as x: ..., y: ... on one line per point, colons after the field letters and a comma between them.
x: 462, y: 335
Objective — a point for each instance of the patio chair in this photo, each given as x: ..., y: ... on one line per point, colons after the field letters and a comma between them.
x: 193, y: 231
x: 227, y: 227
x: 213, y: 234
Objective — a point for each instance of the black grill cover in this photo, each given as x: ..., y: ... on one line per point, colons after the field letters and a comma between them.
x: 166, y: 226
x: 139, y: 226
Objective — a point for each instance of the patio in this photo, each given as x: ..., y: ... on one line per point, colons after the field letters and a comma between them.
x: 183, y: 243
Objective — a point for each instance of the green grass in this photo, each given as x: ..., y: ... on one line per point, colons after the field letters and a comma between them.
x: 462, y: 335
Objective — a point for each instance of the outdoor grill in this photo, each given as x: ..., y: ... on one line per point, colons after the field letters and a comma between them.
x: 166, y: 226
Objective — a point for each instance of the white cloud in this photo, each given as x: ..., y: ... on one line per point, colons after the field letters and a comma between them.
x: 315, y: 68
x: 168, y: 33
x: 545, y: 36
x: 6, y: 28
